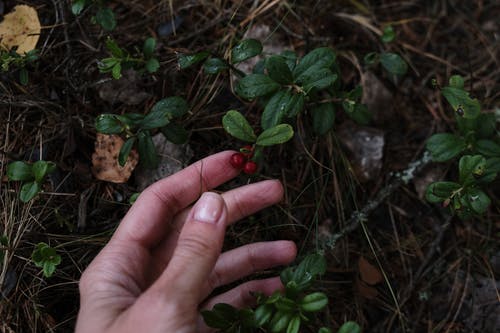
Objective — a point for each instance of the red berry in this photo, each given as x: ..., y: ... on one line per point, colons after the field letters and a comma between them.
x: 238, y: 160
x: 250, y: 167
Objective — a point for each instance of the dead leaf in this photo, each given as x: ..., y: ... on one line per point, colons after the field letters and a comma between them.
x: 365, y: 290
x: 105, y: 164
x: 369, y: 273
x: 20, y: 28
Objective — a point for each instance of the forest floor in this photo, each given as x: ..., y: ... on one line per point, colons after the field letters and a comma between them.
x: 398, y: 263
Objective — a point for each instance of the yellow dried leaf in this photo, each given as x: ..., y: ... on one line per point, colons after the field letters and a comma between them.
x: 20, y: 28
x: 105, y: 164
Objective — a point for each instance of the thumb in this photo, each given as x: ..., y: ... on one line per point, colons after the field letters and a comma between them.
x: 198, y: 248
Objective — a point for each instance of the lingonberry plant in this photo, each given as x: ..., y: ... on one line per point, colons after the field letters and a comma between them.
x: 31, y: 175
x: 45, y: 257
x: 20, y: 62
x: 137, y: 128
x: 104, y: 15
x: 141, y: 60
x: 477, y: 142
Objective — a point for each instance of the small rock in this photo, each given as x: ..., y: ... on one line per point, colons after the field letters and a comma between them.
x: 167, y: 28
x: 124, y: 90
x: 366, y: 148
x: 172, y: 158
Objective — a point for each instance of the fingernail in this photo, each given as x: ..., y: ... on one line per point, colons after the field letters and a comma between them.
x: 208, y: 208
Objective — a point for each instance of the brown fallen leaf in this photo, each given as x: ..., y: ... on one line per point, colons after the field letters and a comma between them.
x: 105, y: 164
x: 20, y: 28
x: 365, y: 290
x: 369, y: 273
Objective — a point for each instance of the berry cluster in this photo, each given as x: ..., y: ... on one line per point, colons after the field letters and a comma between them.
x: 242, y: 160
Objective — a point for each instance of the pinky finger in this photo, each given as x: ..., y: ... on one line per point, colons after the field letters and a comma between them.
x: 242, y: 296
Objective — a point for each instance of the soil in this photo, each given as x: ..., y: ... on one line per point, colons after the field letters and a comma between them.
x: 404, y: 266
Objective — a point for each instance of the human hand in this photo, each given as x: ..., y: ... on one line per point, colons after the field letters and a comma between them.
x: 164, y: 259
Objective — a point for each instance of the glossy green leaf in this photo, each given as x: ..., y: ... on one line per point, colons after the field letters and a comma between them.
x: 320, y: 79
x: 349, y: 327
x: 279, y: 106
x: 29, y: 191
x: 164, y: 111
x: 77, y: 6
x: 293, y: 325
x: 278, y: 69
x: 314, y: 264
x: 42, y: 168
x: 471, y: 167
x: 459, y: 98
x: 20, y: 170
x: 440, y: 191
x: 478, y: 200
x: 105, y: 17
x: 275, y: 135
x: 48, y: 269
x: 491, y: 169
x: 285, y: 304
x: 255, y: 85
x: 245, y: 49
x: 215, y: 319
x: 290, y: 59
x: 445, y: 146
x: 388, y: 34
x: 114, y: 48
x: 322, y: 57
x: 215, y: 66
x: 125, y: 150
x: 456, y: 81
x: 147, y: 151
x: 236, y: 125
x: 324, y: 330
x: 108, y: 123
x: 133, y: 198
x: 314, y: 302
x: 488, y: 148
x: 263, y: 314
x: 187, y: 60
x: 175, y: 133
x: 152, y: 65
x: 148, y: 49
x: 116, y: 71
x: 297, y: 105
x: 323, y: 118
x: 280, y: 321
x: 393, y: 63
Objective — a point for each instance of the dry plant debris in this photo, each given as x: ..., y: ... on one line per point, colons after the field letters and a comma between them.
x: 20, y: 28
x: 105, y: 164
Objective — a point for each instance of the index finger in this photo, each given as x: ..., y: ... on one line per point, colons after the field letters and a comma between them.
x: 146, y: 223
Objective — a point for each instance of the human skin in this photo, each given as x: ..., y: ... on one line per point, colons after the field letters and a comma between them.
x: 164, y: 260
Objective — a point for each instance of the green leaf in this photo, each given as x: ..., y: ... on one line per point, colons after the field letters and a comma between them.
x: 215, y: 320
x: 108, y: 123
x: 471, y: 167
x: 280, y: 321
x: 280, y: 104
x: 440, y: 191
x: 314, y: 302
x: 278, y: 69
x: 459, y: 98
x: 349, y: 327
x: 393, y: 63
x: 456, y: 81
x: 147, y: 151
x: 29, y: 191
x: 77, y: 6
x: 371, y: 58
x: 42, y: 168
x: 319, y: 78
x: 360, y: 114
x: 323, y: 118
x: 322, y: 57
x: 290, y: 58
x: 215, y: 66
x: 485, y: 125
x: 255, y: 85
x: 48, y: 269
x: 106, y: 18
x: 388, y: 34
x: 236, y: 125
x: 116, y: 71
x: 149, y: 47
x: 284, y: 304
x: 133, y: 198
x: 488, y: 148
x: 245, y: 49
x: 445, y: 146
x: 23, y: 76
x: 263, y: 314
x: 314, y: 264
x: 20, y: 170
x: 491, y: 168
x: 297, y: 105
x: 175, y: 133
x: 478, y: 200
x: 152, y: 65
x: 114, y: 48
x: 125, y: 150
x: 163, y: 111
x: 293, y: 325
x: 324, y: 330
x: 275, y: 135
x: 187, y: 60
